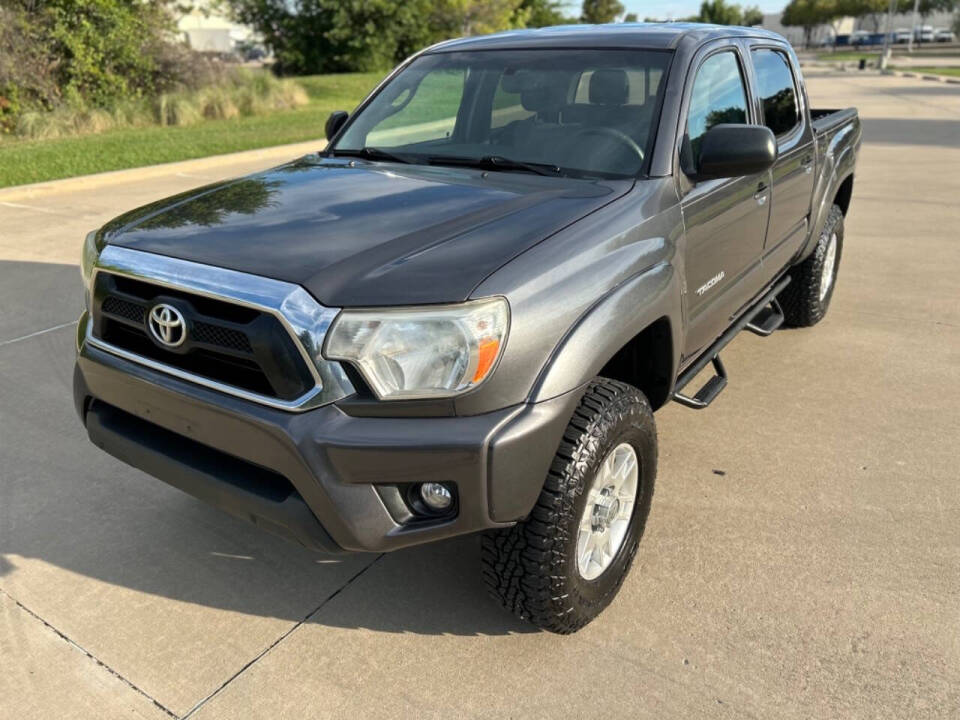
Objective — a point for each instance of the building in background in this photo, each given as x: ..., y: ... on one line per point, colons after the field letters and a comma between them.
x: 207, y: 29
x: 824, y: 34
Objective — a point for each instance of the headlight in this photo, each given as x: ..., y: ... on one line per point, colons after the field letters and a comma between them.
x: 88, y: 258
x: 422, y: 352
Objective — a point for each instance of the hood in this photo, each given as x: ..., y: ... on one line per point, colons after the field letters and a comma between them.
x: 363, y: 233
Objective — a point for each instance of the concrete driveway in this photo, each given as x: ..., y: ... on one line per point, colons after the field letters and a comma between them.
x: 802, y: 558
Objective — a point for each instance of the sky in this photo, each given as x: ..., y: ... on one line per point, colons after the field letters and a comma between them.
x: 671, y: 9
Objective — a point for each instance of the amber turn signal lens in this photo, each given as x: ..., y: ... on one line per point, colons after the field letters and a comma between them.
x: 486, y: 355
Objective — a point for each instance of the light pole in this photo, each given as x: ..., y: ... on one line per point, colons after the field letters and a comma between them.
x: 885, y: 56
x: 913, y: 27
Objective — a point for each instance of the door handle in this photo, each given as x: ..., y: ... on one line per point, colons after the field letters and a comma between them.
x: 761, y: 194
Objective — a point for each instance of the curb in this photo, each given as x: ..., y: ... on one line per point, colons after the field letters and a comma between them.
x: 924, y: 76
x: 844, y: 66
x: 274, y: 154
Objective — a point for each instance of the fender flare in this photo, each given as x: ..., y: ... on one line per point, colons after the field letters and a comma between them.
x: 608, y: 325
x: 843, y: 166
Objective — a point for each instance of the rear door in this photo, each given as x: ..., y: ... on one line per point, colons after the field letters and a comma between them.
x: 725, y: 219
x: 780, y: 107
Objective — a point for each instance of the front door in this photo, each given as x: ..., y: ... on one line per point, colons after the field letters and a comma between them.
x: 725, y: 219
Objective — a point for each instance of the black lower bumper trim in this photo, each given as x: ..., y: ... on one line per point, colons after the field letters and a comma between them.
x: 238, y: 487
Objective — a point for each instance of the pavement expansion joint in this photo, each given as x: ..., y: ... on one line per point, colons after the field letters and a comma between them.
x: 282, y: 637
x: 38, y: 332
x: 90, y: 655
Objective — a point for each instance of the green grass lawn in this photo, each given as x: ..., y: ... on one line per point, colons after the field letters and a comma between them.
x: 27, y: 161
x: 951, y: 71
x: 847, y: 56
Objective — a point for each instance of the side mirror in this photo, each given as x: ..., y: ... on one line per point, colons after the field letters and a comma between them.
x: 736, y: 150
x: 335, y: 122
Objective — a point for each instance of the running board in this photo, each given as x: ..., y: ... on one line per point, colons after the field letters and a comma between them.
x: 708, y: 393
x: 762, y: 318
x: 767, y: 320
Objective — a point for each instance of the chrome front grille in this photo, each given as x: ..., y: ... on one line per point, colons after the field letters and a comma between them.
x: 245, y: 335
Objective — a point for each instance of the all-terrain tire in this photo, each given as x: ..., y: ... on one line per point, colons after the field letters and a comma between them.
x: 531, y: 569
x: 802, y: 301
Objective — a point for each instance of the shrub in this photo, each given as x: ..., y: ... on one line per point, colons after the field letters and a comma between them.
x: 238, y: 92
x: 79, y: 56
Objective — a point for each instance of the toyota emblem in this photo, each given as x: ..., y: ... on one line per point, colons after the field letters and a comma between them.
x: 167, y: 325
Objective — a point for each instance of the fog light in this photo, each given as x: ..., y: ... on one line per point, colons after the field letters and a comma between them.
x: 436, y: 496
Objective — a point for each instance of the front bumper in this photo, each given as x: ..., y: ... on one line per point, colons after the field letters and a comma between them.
x: 326, y: 479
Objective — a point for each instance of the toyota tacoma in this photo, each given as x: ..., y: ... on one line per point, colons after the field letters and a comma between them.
x: 462, y: 313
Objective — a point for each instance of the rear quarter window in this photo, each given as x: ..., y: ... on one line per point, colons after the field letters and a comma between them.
x: 778, y: 93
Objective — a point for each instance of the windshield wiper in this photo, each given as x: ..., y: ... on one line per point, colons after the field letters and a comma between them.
x: 495, y: 162
x: 373, y: 153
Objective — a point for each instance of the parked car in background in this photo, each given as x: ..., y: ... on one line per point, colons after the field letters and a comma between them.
x: 923, y: 34
x: 945, y: 36
x: 901, y: 35
x: 859, y: 38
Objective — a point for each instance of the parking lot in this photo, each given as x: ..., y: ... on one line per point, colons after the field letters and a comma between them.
x: 802, y: 558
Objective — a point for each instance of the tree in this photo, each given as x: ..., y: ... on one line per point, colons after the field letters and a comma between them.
x: 925, y: 8
x: 452, y: 18
x: 86, y: 54
x: 601, y: 11
x: 630, y: 18
x: 542, y: 13
x: 314, y: 36
x: 752, y: 16
x: 875, y: 11
x: 808, y: 14
x: 717, y: 12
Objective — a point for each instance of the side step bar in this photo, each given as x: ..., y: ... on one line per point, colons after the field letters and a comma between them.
x: 767, y: 320
x: 762, y: 318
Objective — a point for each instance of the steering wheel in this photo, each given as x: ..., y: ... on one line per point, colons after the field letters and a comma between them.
x: 612, y: 134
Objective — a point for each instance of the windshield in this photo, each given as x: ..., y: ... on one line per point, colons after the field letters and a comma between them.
x: 570, y: 112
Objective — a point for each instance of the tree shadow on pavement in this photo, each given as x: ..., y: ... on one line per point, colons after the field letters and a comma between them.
x: 65, y: 503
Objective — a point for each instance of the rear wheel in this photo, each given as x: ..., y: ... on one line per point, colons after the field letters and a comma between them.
x: 566, y: 562
x: 806, y: 299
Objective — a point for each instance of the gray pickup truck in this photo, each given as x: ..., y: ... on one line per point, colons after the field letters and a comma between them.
x: 462, y: 314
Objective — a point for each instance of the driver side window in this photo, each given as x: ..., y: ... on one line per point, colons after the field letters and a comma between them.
x: 718, y: 96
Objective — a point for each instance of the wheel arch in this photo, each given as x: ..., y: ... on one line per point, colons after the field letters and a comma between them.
x: 839, y: 193
x: 632, y: 335
x: 844, y: 193
x: 646, y: 361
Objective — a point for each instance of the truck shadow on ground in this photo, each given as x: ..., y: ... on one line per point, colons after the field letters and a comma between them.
x: 906, y: 131
x: 67, y: 504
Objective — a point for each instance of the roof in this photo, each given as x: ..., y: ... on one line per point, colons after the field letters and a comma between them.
x: 615, y: 35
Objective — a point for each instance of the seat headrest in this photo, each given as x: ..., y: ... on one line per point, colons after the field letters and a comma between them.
x: 609, y: 87
x: 539, y: 91
x: 542, y: 98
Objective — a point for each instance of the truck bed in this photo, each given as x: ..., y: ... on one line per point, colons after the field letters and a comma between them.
x: 824, y: 121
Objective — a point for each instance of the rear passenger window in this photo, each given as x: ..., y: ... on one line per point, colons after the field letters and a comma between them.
x: 718, y: 97
x: 777, y: 92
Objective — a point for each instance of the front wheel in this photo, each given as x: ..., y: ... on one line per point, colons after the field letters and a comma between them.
x: 565, y: 563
